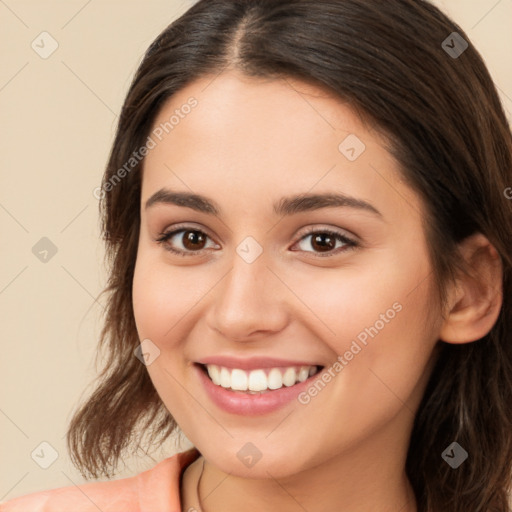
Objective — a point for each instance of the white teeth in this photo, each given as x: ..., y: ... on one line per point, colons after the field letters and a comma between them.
x: 225, y: 378
x: 275, y: 379
x: 238, y: 380
x: 214, y: 373
x: 258, y: 380
x: 289, y: 377
x: 303, y: 373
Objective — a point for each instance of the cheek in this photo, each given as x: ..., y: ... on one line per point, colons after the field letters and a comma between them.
x: 163, y: 296
x: 352, y: 302
x: 377, y: 320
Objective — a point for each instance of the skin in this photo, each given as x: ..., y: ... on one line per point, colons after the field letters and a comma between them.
x: 248, y: 143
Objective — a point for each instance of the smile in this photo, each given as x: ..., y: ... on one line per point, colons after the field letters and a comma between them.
x: 257, y: 385
x: 261, y: 380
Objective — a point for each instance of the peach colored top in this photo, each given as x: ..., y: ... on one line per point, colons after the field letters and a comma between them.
x: 154, y: 490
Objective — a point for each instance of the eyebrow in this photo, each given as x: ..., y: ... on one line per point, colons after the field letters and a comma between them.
x: 284, y: 207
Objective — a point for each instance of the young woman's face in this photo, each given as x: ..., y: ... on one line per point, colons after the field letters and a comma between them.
x: 270, y: 286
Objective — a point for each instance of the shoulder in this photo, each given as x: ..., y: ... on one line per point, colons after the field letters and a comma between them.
x: 156, y: 490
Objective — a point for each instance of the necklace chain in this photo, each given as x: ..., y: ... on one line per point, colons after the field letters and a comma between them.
x: 198, y: 497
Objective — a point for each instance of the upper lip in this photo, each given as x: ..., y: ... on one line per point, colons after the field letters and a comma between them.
x: 253, y: 363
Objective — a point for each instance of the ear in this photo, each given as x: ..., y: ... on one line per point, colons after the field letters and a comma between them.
x: 475, y: 300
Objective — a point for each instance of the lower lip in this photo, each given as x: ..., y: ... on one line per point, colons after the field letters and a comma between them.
x: 246, y: 404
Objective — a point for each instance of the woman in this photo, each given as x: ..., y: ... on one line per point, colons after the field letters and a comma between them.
x: 307, y: 217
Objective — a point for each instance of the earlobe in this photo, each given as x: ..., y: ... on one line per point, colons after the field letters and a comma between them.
x: 476, y: 299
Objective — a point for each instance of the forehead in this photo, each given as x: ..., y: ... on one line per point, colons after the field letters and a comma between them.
x: 266, y: 107
x: 256, y: 135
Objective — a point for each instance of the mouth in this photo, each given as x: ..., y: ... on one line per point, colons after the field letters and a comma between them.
x: 258, y: 381
x: 255, y: 386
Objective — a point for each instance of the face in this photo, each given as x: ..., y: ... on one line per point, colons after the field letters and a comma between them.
x: 266, y: 289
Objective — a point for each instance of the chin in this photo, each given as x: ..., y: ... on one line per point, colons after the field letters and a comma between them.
x: 258, y: 460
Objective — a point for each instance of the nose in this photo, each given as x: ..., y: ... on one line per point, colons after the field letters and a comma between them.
x: 249, y: 302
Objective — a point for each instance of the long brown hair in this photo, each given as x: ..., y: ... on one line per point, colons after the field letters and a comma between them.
x: 446, y: 127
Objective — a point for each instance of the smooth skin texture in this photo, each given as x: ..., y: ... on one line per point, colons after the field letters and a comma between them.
x: 248, y: 143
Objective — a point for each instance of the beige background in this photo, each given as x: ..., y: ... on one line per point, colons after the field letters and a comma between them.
x: 57, y: 124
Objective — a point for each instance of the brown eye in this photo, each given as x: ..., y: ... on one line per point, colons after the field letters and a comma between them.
x: 326, y: 241
x: 189, y: 241
x: 194, y: 240
x: 323, y: 242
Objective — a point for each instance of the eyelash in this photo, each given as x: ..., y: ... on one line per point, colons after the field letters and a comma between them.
x: 349, y: 243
